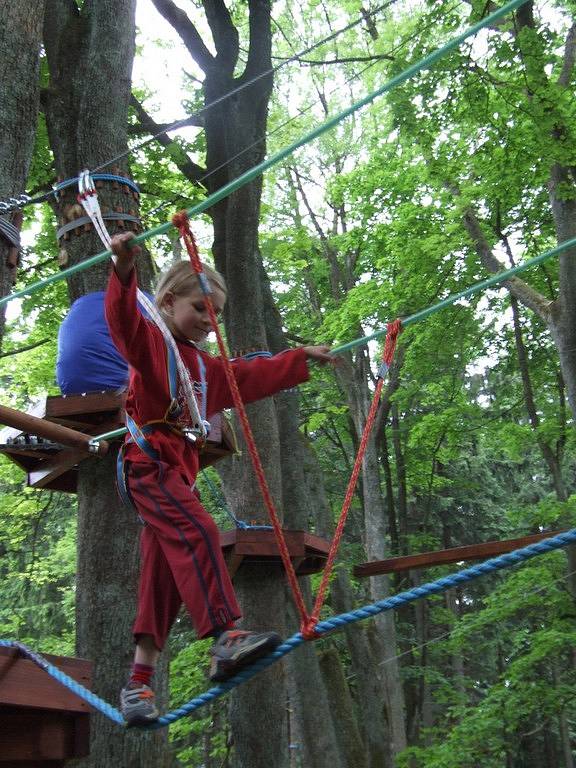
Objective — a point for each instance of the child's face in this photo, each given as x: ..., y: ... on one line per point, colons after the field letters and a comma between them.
x: 188, y: 314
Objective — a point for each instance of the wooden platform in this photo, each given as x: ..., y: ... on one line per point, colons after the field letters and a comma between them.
x: 42, y: 723
x: 447, y: 556
x: 258, y: 547
x: 50, y: 465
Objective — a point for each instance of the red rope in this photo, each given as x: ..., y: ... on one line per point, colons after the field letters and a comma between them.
x: 180, y: 221
x: 393, y: 329
x: 308, y: 621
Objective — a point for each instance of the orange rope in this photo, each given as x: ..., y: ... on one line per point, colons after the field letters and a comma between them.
x: 393, y: 329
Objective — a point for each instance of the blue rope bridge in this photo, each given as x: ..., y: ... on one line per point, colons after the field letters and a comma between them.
x: 322, y: 628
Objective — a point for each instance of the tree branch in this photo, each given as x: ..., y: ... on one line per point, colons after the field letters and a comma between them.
x: 194, y: 121
x: 188, y: 167
x: 189, y: 35
x: 344, y: 60
x: 224, y: 33
x: 27, y: 348
x: 532, y: 299
x: 517, y: 287
x: 260, y: 48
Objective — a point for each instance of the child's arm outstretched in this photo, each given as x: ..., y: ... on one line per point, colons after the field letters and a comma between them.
x: 263, y: 377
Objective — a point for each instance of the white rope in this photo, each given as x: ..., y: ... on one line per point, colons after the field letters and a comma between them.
x: 88, y: 197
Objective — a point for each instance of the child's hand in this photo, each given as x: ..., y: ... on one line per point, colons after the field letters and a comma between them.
x: 321, y: 354
x: 125, y: 254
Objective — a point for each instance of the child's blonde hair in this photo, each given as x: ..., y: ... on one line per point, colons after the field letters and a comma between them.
x: 181, y: 279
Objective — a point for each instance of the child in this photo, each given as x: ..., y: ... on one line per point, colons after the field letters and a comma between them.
x: 180, y: 549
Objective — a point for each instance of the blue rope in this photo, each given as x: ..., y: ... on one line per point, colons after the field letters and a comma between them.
x: 322, y: 628
x: 97, y: 177
x: 94, y: 701
x: 221, y: 502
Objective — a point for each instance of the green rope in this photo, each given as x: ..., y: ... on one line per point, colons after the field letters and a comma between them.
x: 499, y: 277
x: 245, y: 178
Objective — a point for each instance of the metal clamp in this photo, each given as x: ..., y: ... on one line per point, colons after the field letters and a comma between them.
x: 94, y: 445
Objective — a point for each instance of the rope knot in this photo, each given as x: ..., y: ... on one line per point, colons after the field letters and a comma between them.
x: 180, y: 220
x: 308, y: 628
x: 392, y: 332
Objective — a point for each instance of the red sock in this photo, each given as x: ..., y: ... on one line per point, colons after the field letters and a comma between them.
x: 141, y: 674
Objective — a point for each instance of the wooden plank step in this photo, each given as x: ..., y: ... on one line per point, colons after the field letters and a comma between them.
x: 447, y: 556
x: 253, y: 546
x: 49, y: 465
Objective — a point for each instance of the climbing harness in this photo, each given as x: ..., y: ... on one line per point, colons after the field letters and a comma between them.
x: 138, y: 434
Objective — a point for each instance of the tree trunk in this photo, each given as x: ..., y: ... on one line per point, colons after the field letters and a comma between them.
x: 366, y: 653
x: 314, y: 709
x: 375, y: 538
x: 90, y: 52
x: 108, y: 561
x: 20, y: 38
x: 347, y: 734
x: 549, y: 456
x: 400, y: 479
x: 313, y: 706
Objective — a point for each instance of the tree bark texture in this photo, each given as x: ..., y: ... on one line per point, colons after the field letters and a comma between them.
x: 90, y: 51
x: 20, y: 39
x: 348, y: 734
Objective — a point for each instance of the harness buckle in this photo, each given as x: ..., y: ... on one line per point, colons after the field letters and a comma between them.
x: 198, y: 434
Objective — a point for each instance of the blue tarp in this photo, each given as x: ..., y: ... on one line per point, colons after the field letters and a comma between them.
x: 87, y: 359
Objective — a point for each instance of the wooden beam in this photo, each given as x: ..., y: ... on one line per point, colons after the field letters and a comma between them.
x: 95, y: 402
x: 56, y: 432
x: 50, y: 468
x: 446, y: 556
x: 24, y: 684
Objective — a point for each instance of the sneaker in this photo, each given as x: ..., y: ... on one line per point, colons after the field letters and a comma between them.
x: 236, y: 648
x: 137, y: 704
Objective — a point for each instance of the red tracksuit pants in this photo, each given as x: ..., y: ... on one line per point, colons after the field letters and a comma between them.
x: 182, y: 560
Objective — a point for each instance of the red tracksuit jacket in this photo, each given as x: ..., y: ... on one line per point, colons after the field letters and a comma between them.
x: 142, y: 345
